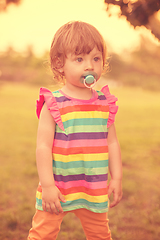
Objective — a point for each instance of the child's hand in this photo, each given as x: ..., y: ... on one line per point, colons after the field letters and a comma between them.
x: 115, y: 187
x: 51, y: 197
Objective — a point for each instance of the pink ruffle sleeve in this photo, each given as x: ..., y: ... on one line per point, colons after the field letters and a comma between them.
x: 46, y: 96
x: 112, y: 105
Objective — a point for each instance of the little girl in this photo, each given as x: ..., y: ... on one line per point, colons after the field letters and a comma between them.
x: 76, y: 133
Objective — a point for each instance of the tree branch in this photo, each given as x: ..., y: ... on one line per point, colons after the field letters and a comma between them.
x: 139, y: 13
x: 5, y: 3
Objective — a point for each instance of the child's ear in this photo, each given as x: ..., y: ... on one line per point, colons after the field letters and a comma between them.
x: 59, y: 64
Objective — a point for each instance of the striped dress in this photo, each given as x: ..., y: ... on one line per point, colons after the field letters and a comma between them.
x: 80, y: 150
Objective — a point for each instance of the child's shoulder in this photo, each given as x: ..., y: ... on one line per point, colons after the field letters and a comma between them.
x: 45, y: 91
x: 104, y: 91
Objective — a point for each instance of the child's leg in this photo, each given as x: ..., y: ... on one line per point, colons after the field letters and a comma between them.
x: 95, y: 225
x: 45, y: 226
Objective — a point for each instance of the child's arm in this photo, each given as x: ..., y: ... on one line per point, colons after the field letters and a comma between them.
x: 50, y: 193
x: 115, y: 166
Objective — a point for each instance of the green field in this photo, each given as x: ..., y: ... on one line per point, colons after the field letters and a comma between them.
x: 137, y: 217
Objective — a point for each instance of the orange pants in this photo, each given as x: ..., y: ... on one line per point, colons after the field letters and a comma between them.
x: 45, y: 226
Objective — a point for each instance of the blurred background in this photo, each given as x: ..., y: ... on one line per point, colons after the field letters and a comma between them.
x: 131, y: 30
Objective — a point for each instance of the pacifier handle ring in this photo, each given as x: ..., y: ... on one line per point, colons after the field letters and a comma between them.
x: 91, y: 86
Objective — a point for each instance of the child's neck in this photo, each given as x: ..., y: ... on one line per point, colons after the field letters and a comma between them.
x: 77, y: 92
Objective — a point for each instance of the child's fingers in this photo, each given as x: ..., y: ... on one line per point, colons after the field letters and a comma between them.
x: 58, y: 204
x: 52, y: 207
x: 114, y: 202
x: 58, y: 207
x: 44, y: 205
x: 116, y: 199
x: 48, y: 207
x: 61, y: 197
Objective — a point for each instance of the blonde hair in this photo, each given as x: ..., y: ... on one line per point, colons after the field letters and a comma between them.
x: 76, y: 38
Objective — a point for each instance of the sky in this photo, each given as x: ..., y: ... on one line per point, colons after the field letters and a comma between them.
x: 34, y: 22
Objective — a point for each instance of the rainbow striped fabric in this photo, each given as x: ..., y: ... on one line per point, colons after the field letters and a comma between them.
x: 80, y: 151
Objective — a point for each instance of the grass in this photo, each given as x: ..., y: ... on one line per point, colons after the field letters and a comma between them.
x: 138, y: 131
x: 138, y: 214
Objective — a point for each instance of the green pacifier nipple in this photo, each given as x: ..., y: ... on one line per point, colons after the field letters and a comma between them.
x: 89, y: 79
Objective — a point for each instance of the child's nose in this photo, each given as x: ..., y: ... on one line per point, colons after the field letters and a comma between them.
x: 89, y: 66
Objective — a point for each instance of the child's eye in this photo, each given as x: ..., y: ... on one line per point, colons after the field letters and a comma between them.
x: 79, y: 59
x: 96, y: 59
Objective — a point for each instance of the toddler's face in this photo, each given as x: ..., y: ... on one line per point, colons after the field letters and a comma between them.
x: 77, y: 65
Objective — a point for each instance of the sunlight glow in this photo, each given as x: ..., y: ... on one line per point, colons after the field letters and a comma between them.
x: 35, y: 22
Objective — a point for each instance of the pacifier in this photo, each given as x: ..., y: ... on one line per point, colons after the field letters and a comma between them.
x: 89, y: 79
